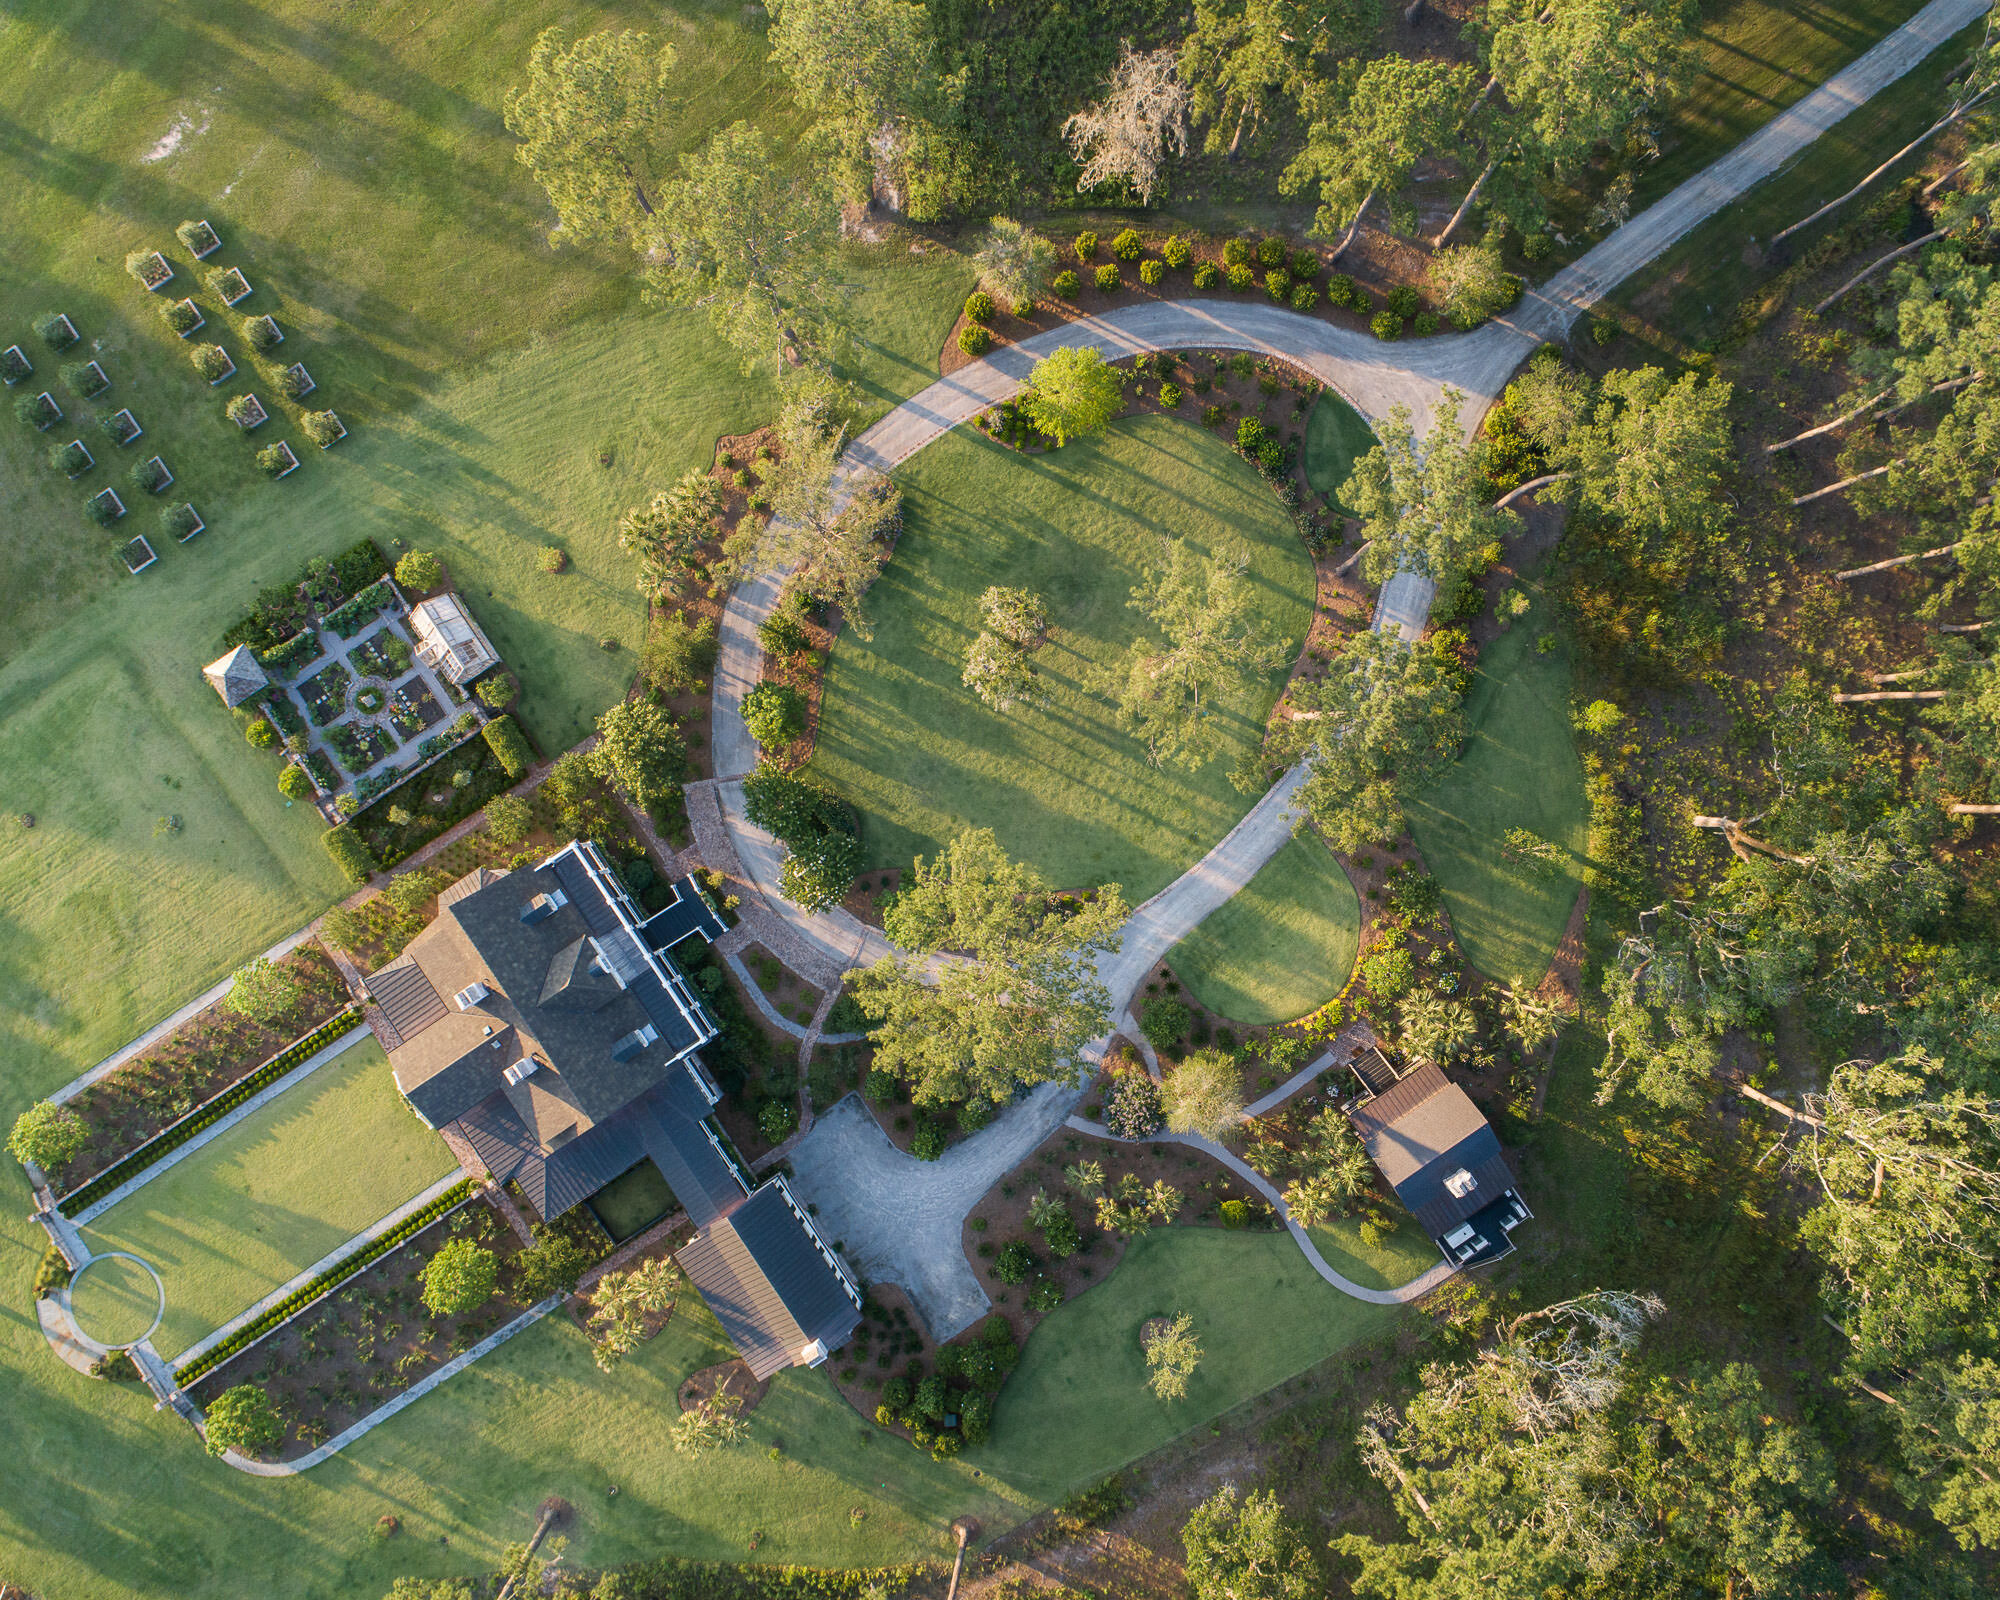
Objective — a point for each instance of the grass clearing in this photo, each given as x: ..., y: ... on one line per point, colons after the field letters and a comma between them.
x: 275, y: 1193
x: 1061, y: 785
x: 114, y: 1300
x: 1085, y: 1361
x: 1280, y: 948
x: 1336, y: 437
x: 1519, y: 770
x: 1392, y: 1261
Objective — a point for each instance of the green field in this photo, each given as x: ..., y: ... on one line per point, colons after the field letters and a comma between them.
x: 114, y: 1300
x: 1060, y: 784
x: 1389, y: 1263
x: 1336, y: 436
x: 281, y: 1189
x: 1083, y: 1365
x: 1519, y: 770
x: 1280, y: 948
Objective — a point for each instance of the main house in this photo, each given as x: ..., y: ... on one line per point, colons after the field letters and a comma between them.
x: 541, y: 1026
x: 1441, y: 1157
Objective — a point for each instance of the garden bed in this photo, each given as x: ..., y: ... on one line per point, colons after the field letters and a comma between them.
x: 182, y: 521
x: 231, y: 285
x: 14, y: 365
x: 359, y: 745
x: 790, y: 994
x: 413, y: 709
x: 383, y: 655
x: 319, y: 587
x: 121, y: 428
x: 326, y: 693
x: 390, y: 842
x: 350, y: 617
x: 154, y: 273
x: 199, y: 239
x: 372, y: 1338
x: 299, y: 382
x: 138, y: 556
x: 44, y: 413
x: 196, y: 1062
x: 154, y: 476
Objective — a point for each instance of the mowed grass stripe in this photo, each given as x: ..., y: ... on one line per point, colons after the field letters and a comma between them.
x: 275, y: 1193
x: 1063, y: 787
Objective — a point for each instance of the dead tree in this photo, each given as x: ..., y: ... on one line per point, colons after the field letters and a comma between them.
x: 1888, y: 694
x: 1896, y: 561
x: 1845, y: 483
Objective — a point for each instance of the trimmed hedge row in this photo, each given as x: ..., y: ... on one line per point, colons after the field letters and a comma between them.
x: 170, y: 1139
x: 328, y: 1280
x: 349, y: 852
x: 510, y: 744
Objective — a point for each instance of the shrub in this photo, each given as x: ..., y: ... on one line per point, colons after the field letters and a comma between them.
x: 54, y: 330
x: 1304, y: 297
x: 1536, y: 247
x: 148, y: 477
x: 242, y: 1419
x: 1132, y: 1108
x: 459, y: 1278
x: 260, y: 734
x: 294, y: 381
x: 975, y: 340
x: 975, y: 1114
x: 274, y: 460
x: 1471, y: 284
x: 1602, y: 331
x: 975, y: 1418
x: 1164, y: 1021
x: 349, y: 852
x: 678, y: 654
x: 1015, y: 1263
x: 84, y: 379
x: 1150, y: 272
x: 243, y: 410
x: 119, y: 427
x: 293, y: 782
x: 1305, y: 265
x: 1242, y: 278
x: 324, y: 428
x: 552, y: 559
x: 783, y: 633
x: 1387, y: 973
x: 1170, y: 396
x: 928, y: 1142
x: 261, y: 332
x: 509, y: 819
x: 1403, y: 300
x: 1278, y: 285
x: 1423, y: 324
x: 1046, y: 1295
x: 1086, y: 245
x: 102, y: 508
x: 210, y: 360
x: 1213, y: 416
x: 979, y: 306
x: 419, y: 570
x: 777, y: 1121
x: 1340, y: 290
x: 1128, y: 246
x: 1061, y: 1236
x: 1205, y: 274
x: 1066, y: 283
x: 34, y: 410
x: 1172, y: 1354
x: 495, y: 691
x: 1386, y: 325
x: 69, y: 459
x: 1108, y: 281
x: 50, y: 1135
x: 509, y: 746
x: 1271, y: 252
x: 775, y: 714
x: 180, y: 316
x: 879, y: 1086
x: 1237, y: 253
x: 1234, y: 1213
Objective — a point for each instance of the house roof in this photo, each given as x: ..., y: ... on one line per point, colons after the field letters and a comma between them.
x: 236, y: 676
x: 1422, y: 1131
x: 686, y: 914
x: 762, y: 1271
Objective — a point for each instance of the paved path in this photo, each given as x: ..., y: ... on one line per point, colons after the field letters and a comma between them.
x: 892, y: 1210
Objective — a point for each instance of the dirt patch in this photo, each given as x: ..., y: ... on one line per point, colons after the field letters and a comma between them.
x: 729, y: 1377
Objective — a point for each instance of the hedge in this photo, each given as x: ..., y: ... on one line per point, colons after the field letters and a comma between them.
x: 349, y: 852
x: 169, y: 1139
x: 680, y: 1578
x: 510, y: 745
x: 326, y: 1282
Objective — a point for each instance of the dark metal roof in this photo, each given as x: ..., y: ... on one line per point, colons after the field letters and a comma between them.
x: 406, y: 997
x: 763, y: 1274
x: 687, y: 914
x: 688, y: 1156
x: 1435, y: 1206
x: 497, y: 1136
x: 1416, y: 1120
x: 1493, y: 1193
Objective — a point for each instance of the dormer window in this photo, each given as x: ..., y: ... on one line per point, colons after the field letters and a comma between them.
x: 1461, y: 1183
x: 629, y: 1046
x: 470, y: 996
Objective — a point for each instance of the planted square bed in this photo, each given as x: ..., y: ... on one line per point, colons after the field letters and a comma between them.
x: 277, y: 460
x: 324, y: 772
x: 85, y: 379
x: 150, y: 477
x: 263, y: 332
x: 357, y: 613
x: 325, y: 693
x: 55, y: 330
x: 413, y: 709
x: 213, y: 363
x: 382, y: 655
x: 104, y: 507
x: 359, y: 745
x: 137, y: 556
x: 181, y: 522
x: 183, y: 316
x: 72, y: 459
x: 230, y: 284
x: 324, y: 428
x: 121, y: 427
x: 296, y: 381
x: 199, y: 239
x: 40, y: 409
x: 15, y: 365
x: 152, y: 269
x: 247, y: 412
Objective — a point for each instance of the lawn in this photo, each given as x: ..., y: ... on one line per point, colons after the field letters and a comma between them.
x: 1260, y: 1312
x: 1519, y: 770
x: 275, y: 1193
x: 1060, y: 784
x: 1389, y: 1263
x: 114, y: 1300
x: 1280, y: 948
x: 632, y: 1202
x: 1336, y: 436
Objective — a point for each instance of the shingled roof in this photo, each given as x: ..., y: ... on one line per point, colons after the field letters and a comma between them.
x: 236, y: 676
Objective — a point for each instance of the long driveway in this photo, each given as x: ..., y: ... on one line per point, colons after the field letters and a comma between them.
x: 901, y: 1219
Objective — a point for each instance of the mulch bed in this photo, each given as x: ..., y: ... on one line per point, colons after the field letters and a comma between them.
x: 783, y: 987
x: 371, y: 1339
x: 196, y: 1062
x: 729, y: 1377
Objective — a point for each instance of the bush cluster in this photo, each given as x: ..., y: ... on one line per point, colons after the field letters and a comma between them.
x: 1108, y: 281
x: 975, y: 340
x: 1127, y: 245
x: 1206, y: 274
x: 1086, y: 245
x: 1242, y: 277
x: 349, y: 852
x: 1177, y: 252
x: 1066, y: 283
x: 510, y: 746
x: 979, y: 306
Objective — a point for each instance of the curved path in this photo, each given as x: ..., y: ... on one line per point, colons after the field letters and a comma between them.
x: 899, y: 1213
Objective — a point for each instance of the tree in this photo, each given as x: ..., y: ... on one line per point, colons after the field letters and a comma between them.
x: 711, y: 1424
x: 819, y: 832
x: 1368, y: 130
x: 419, y: 571
x: 1015, y: 263
x: 998, y: 672
x: 264, y: 991
x: 409, y: 892
x: 50, y: 1135
x: 1532, y: 1019
x: 1381, y: 726
x: 1649, y: 452
x: 346, y: 928
x: 1017, y: 615
x: 459, y: 1278
x: 640, y: 749
x: 1947, y: 1422
x: 1172, y: 1354
x: 775, y: 714
x: 242, y: 1419
x: 748, y: 237
x: 550, y: 1267
x: 1142, y: 117
x: 1204, y: 1095
x: 1247, y: 1549
x: 509, y: 819
x: 1023, y: 1001
x: 1436, y: 1027
x: 856, y: 64
x: 679, y: 654
x: 589, y: 120
x: 1423, y: 507
x: 1471, y: 283
x: 1073, y: 393
x: 1215, y: 643
x: 620, y: 1303
x: 1243, y: 54
x: 293, y: 782
x: 1335, y: 1171
x: 665, y: 533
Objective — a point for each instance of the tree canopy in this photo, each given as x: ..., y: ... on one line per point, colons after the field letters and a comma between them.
x: 640, y: 748
x: 1423, y: 507
x: 1073, y: 393
x: 1368, y: 128
x: 1241, y: 56
x: 857, y: 65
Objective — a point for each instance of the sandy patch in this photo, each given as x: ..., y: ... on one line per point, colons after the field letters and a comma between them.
x: 170, y: 141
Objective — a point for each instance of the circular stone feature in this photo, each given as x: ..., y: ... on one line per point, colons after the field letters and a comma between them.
x: 369, y: 699
x: 116, y: 1300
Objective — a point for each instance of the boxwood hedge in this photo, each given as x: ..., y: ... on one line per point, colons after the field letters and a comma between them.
x: 349, y: 852
x: 510, y: 745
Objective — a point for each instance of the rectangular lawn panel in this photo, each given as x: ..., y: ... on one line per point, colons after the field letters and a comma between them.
x: 275, y: 1193
x: 1281, y: 947
x: 1519, y: 770
x: 1060, y: 784
x: 1336, y: 436
x: 1077, y: 1407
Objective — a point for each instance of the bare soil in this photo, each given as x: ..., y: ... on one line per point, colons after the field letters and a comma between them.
x: 729, y: 1377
